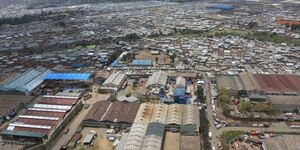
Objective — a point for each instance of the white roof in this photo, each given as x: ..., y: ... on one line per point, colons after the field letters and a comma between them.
x: 174, y: 114
x: 135, y: 136
x: 158, y: 78
x: 17, y: 124
x: 47, y: 110
x: 64, y: 107
x: 115, y: 79
x: 38, y: 117
x: 152, y: 142
x: 160, y: 113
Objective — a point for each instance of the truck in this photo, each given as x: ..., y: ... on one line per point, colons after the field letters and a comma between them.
x: 209, y: 135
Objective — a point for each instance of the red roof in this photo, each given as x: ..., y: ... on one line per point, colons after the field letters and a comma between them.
x: 290, y: 22
x: 31, y: 129
x: 57, y: 101
x: 45, y: 113
x: 276, y: 82
x: 37, y: 121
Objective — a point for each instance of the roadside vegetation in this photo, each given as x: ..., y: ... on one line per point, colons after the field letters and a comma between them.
x: 204, y: 123
x: 248, y: 107
x: 228, y: 136
x: 225, y: 100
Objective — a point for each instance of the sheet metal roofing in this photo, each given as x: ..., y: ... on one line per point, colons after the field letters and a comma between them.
x: 224, y: 7
x: 190, y: 115
x: 249, y: 82
x: 23, y: 133
x: 135, y: 136
x: 159, y: 77
x: 113, y: 112
x: 282, y: 143
x: 174, y: 114
x: 179, y: 92
x: 114, y: 79
x: 160, y: 113
x: 57, y: 101
x: 144, y: 113
x: 68, y: 76
x: 26, y: 81
x: 180, y: 82
x: 152, y: 142
x: 155, y: 128
x: 142, y: 62
x: 277, y: 82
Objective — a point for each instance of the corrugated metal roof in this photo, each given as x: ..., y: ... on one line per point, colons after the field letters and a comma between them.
x: 26, y: 81
x: 160, y: 113
x: 115, y: 79
x: 144, y: 113
x: 159, y: 77
x: 142, y: 62
x: 135, y: 136
x: 23, y: 133
x: 68, y: 76
x: 174, y: 114
x: 152, y: 142
x: 156, y: 128
x: 180, y: 82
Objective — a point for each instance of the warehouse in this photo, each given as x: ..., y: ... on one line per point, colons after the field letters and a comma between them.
x: 291, y: 142
x: 144, y: 113
x: 160, y: 113
x: 180, y: 82
x: 285, y: 103
x: 154, y: 136
x: 106, y: 114
x: 231, y: 83
x: 41, y: 120
x: 141, y: 62
x: 174, y: 118
x: 114, y: 82
x: 25, y: 83
x: 180, y: 97
x: 136, y: 136
x: 157, y: 82
x: 271, y: 84
x: 68, y: 80
x: 11, y: 104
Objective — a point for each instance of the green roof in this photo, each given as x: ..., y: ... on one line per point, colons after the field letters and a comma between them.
x: 23, y: 133
x: 188, y: 129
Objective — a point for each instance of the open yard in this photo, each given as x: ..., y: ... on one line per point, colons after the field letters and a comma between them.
x: 146, y: 55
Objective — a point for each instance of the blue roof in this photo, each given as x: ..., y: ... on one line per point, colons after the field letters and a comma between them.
x: 26, y: 81
x: 224, y: 7
x: 142, y: 62
x: 68, y: 76
x: 179, y: 92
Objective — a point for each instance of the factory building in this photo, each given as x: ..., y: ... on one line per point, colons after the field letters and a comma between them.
x: 153, y: 120
x: 157, y: 82
x: 141, y: 63
x: 285, y: 103
x: 106, y: 114
x: 114, y: 82
x: 11, y: 104
x: 45, y: 119
x: 26, y: 83
x: 291, y: 142
x: 68, y: 80
x: 180, y: 82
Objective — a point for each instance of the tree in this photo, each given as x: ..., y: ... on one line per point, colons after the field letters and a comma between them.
x: 246, y: 107
x: 128, y: 94
x: 156, y: 59
x: 252, y: 25
x: 113, y: 98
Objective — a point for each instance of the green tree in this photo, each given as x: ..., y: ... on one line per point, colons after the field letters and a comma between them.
x: 246, y: 107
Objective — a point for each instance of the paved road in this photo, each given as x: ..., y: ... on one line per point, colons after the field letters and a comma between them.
x: 74, y: 124
x: 275, y: 127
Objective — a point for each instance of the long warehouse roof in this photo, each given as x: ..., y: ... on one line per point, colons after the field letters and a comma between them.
x: 68, y: 76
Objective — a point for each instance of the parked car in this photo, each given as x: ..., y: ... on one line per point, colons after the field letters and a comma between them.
x: 66, y: 130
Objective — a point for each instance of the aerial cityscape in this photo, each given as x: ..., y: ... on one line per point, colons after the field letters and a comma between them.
x: 150, y: 75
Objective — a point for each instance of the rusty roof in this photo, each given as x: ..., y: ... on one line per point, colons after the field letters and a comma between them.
x: 278, y: 82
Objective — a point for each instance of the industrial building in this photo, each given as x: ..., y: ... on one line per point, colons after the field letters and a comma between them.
x: 68, y: 76
x: 285, y: 103
x: 25, y: 83
x: 11, y: 104
x: 153, y: 120
x: 114, y: 82
x: 106, y: 114
x: 180, y: 82
x: 157, y: 82
x: 42, y: 121
x: 261, y: 84
x: 291, y: 142
x: 141, y: 62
